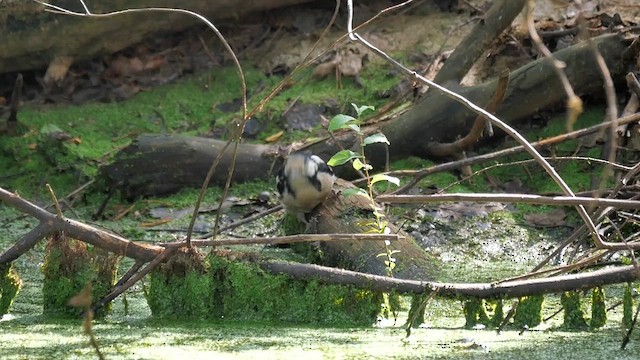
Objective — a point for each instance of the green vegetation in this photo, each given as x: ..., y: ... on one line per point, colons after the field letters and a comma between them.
x: 181, y: 288
x: 573, y: 314
x: 244, y: 292
x: 598, y: 308
x: 10, y: 285
x: 68, y: 266
x: 476, y: 311
x: 529, y: 311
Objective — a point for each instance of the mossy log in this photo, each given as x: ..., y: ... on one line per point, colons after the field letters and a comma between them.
x: 160, y: 164
x: 346, y: 214
x: 31, y: 37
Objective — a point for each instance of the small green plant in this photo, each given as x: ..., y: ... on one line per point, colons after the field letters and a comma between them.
x: 359, y: 163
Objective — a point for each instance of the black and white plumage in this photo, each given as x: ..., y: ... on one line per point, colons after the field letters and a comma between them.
x: 303, y: 183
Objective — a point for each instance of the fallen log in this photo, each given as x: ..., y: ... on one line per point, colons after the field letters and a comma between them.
x: 345, y: 214
x: 31, y: 37
x: 507, y: 289
x: 532, y: 88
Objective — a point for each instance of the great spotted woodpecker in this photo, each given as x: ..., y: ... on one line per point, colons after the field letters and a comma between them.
x: 303, y: 183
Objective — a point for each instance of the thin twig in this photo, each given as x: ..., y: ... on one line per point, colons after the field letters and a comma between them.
x: 289, y: 239
x: 510, y: 198
x: 421, y: 174
x: 135, y: 278
x: 574, y: 103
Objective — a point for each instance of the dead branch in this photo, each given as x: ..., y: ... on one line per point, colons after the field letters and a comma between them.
x: 478, y: 159
x: 457, y: 147
x: 509, y: 289
x: 290, y: 239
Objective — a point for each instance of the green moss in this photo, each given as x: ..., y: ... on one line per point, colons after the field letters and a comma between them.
x: 480, y: 311
x: 291, y: 225
x: 245, y: 292
x: 68, y: 266
x: 529, y: 311
x: 573, y: 314
x: 181, y: 288
x: 627, y: 307
x: 474, y: 313
x: 417, y: 309
x: 10, y: 285
x: 495, y: 307
x: 598, y: 308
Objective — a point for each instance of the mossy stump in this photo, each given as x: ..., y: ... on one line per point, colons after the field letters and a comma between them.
x: 69, y: 265
x: 245, y: 292
x: 477, y: 311
x: 181, y: 287
x: 529, y: 311
x: 232, y: 286
x: 573, y: 314
x: 10, y: 285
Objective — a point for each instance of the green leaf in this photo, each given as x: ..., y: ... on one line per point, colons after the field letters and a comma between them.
x: 341, y: 121
x: 355, y: 191
x: 376, y: 138
x: 359, y: 165
x: 361, y: 109
x: 383, y: 177
x: 354, y: 127
x: 342, y: 157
